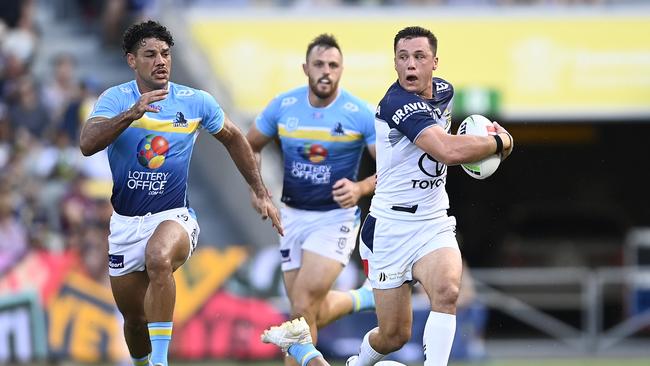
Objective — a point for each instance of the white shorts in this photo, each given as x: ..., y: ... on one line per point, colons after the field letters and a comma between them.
x: 390, y: 248
x: 130, y: 234
x: 331, y: 234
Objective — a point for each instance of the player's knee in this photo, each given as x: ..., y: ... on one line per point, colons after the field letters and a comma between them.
x: 394, y: 338
x: 305, y: 306
x: 158, y: 260
x: 135, y: 323
x: 446, y: 294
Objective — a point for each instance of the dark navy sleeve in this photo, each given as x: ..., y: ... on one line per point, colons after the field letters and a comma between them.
x: 405, y: 112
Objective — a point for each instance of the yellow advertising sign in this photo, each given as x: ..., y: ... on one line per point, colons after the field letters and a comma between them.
x: 543, y: 66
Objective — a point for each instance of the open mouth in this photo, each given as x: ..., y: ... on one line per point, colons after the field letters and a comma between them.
x: 325, y: 81
x: 411, y: 78
x: 160, y: 72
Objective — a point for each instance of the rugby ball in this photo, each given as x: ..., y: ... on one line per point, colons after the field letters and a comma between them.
x: 477, y: 125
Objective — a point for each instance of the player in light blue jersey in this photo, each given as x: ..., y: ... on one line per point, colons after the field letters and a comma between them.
x: 408, y: 236
x: 149, y: 126
x: 323, y: 131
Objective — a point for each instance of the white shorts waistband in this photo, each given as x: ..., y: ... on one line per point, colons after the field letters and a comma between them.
x: 125, y: 219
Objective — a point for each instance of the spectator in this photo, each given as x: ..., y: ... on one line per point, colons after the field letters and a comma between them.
x: 13, y: 236
x: 63, y: 89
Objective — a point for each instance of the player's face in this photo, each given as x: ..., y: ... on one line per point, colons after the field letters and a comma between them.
x: 324, y: 68
x: 152, y: 63
x: 414, y: 63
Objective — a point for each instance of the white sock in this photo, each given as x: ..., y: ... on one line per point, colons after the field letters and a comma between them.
x: 438, y: 337
x: 367, y: 355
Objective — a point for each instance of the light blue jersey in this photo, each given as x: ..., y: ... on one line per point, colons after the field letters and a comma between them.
x: 319, y: 145
x: 150, y: 160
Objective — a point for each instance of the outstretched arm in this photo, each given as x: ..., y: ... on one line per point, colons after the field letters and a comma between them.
x: 242, y: 155
x: 99, y: 132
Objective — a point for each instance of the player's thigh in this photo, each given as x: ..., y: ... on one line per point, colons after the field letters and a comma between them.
x: 393, y: 308
x: 170, y: 241
x: 316, y: 275
x: 289, y: 279
x: 439, y: 271
x: 129, y: 291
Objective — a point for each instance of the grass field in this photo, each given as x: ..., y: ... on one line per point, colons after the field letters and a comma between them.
x: 509, y: 362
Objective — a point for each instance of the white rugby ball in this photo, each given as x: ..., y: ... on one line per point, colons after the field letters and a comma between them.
x: 477, y: 125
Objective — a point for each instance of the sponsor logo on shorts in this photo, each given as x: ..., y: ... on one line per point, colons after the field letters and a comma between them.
x: 383, y: 276
x: 183, y: 217
x: 115, y: 261
x: 284, y: 253
x: 345, y: 229
x: 193, y: 237
x: 341, y: 244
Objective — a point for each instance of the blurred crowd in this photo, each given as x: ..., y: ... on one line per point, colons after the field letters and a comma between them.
x: 51, y: 197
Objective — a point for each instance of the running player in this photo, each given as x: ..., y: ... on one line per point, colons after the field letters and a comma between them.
x: 323, y: 130
x: 149, y: 126
x: 408, y: 236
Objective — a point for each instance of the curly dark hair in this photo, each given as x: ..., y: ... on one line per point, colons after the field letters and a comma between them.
x: 416, y: 32
x: 323, y: 40
x: 149, y: 29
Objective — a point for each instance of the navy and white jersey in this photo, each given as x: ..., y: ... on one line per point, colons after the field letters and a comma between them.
x: 151, y: 158
x: 410, y: 183
x: 319, y: 145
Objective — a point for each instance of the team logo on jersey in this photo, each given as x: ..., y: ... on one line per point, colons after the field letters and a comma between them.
x: 179, y: 120
x: 152, y: 150
x: 292, y: 123
x: 338, y: 130
x: 316, y: 153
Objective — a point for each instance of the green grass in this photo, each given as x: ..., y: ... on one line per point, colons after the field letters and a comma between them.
x: 509, y: 362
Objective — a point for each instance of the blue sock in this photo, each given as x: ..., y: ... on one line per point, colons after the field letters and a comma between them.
x: 303, y: 353
x: 362, y: 299
x: 160, y: 334
x: 141, y: 361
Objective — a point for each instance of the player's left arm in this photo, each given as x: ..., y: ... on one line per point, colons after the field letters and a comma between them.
x: 347, y: 193
x: 242, y: 155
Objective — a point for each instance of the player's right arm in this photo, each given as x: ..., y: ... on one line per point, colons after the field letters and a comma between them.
x: 461, y: 149
x: 99, y: 132
x: 257, y: 140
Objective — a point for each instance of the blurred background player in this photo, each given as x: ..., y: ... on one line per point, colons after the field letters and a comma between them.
x: 322, y: 130
x: 149, y: 126
x: 408, y: 236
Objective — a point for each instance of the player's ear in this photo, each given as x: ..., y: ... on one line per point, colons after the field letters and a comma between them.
x: 304, y: 69
x: 435, y: 62
x: 130, y: 59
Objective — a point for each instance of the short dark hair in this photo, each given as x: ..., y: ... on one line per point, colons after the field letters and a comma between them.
x: 416, y: 32
x: 149, y: 29
x: 323, y: 40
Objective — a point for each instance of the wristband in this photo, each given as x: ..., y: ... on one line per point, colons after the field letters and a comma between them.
x: 499, y: 142
x: 509, y: 138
